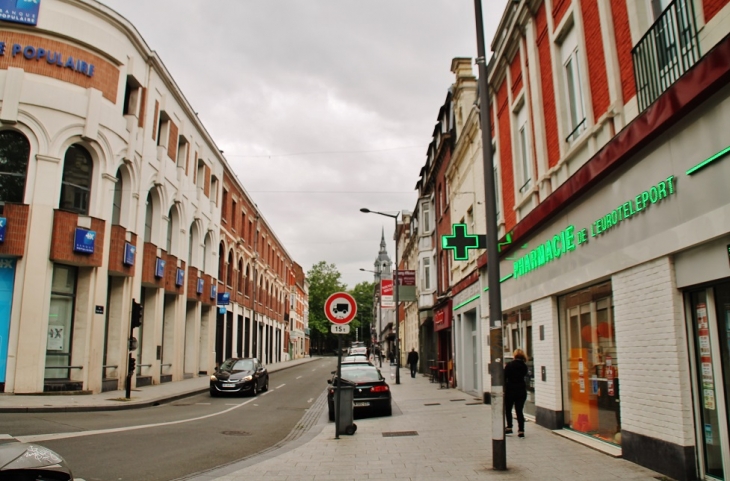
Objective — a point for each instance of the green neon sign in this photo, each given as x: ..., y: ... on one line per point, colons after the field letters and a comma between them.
x: 569, y: 238
x: 706, y: 162
x: 461, y: 243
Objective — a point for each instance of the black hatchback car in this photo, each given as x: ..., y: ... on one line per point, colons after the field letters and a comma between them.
x: 372, y: 393
x: 240, y: 375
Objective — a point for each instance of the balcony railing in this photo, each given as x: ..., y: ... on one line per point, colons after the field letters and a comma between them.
x: 666, y: 52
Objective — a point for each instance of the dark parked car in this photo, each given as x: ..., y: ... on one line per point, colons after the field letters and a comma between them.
x: 372, y: 393
x: 240, y: 375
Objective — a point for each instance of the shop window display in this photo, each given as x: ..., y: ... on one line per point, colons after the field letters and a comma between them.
x: 591, y: 365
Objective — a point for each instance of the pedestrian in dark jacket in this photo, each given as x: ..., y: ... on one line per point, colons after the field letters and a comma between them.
x: 515, y: 391
x: 413, y: 361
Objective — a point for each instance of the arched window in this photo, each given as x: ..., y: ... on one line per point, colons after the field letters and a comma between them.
x: 14, y: 154
x: 117, y: 201
x: 207, y: 251
x: 221, y: 262
x: 148, y: 219
x: 229, y: 270
x: 193, y: 246
x: 247, y: 280
x: 76, y: 182
x: 240, y: 275
x: 168, y: 243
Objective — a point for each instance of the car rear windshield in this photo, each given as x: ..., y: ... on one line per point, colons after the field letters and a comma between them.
x: 237, y: 365
x: 360, y: 374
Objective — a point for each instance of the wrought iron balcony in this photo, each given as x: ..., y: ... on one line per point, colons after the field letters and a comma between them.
x: 666, y: 51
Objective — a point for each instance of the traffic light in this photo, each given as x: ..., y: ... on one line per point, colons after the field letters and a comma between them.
x: 132, y: 364
x: 136, y: 314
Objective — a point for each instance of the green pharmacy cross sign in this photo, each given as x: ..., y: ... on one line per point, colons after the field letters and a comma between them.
x: 460, y: 242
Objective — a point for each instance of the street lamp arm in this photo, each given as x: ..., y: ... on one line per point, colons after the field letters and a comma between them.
x: 368, y: 211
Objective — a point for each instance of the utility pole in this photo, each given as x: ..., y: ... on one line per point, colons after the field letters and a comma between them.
x: 496, y: 348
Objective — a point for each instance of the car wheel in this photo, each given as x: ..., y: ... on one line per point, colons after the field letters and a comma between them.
x: 213, y: 393
x: 388, y: 411
x: 255, y: 388
x: 266, y: 385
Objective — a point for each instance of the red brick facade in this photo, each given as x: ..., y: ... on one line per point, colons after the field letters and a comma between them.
x: 548, y: 93
x: 154, y: 120
x: 105, y: 77
x: 172, y: 142
x: 149, y: 263
x: 171, y: 274
x: 559, y: 9
x: 116, y: 252
x: 505, y: 156
x: 515, y: 69
x: 712, y: 7
x: 63, y: 238
x: 623, y: 47
x: 597, y: 75
x: 142, y: 102
x: 15, y: 230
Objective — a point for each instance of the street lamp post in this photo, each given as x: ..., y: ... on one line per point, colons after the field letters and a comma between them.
x: 372, y: 329
x: 496, y: 348
x: 395, y: 288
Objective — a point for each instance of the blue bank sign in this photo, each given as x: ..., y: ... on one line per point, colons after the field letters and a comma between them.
x: 20, y: 11
x: 3, y: 223
x: 84, y: 241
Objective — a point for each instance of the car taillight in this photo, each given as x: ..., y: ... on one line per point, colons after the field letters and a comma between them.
x: 332, y: 391
x: 379, y: 389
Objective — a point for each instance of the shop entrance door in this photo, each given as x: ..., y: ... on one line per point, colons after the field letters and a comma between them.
x: 710, y: 314
x: 590, y: 363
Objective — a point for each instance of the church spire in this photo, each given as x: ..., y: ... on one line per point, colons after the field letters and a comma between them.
x: 382, y: 263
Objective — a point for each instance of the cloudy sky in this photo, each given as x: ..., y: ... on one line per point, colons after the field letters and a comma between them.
x: 320, y: 106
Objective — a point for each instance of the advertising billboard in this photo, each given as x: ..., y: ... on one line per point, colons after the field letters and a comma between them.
x: 386, y: 294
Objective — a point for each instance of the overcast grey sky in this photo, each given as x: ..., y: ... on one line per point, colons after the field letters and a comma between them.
x: 320, y: 106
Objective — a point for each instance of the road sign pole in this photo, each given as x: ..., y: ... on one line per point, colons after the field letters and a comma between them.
x: 338, y: 399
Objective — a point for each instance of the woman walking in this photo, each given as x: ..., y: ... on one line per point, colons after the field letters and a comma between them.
x: 515, y: 391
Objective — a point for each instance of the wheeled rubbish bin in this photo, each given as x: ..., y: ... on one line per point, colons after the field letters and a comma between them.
x: 344, y: 420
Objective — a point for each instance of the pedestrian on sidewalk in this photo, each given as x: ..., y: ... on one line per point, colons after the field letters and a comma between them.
x: 412, y: 361
x: 515, y: 391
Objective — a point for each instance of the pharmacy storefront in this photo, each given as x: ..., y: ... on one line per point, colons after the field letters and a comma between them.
x: 625, y: 296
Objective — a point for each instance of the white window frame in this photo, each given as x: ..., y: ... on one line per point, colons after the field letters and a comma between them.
x: 426, y: 216
x: 573, y: 87
x: 523, y: 148
x: 426, y: 271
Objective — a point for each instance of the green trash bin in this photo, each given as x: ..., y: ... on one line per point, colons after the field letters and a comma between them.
x: 345, y: 416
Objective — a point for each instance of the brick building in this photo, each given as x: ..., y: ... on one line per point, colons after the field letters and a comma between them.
x: 610, y: 140
x: 111, y: 190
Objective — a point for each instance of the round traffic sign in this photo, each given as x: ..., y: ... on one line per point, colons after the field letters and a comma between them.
x: 340, y: 308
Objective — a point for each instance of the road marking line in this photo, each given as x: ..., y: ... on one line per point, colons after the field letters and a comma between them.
x: 277, y: 387
x: 256, y: 405
x: 208, y: 404
x: 6, y: 436
x: 52, y: 437
x: 310, y: 399
x: 299, y: 377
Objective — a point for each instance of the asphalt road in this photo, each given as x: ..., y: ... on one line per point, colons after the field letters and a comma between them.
x: 180, y: 438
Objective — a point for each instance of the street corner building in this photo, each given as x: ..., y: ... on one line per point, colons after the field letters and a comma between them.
x: 112, y: 193
x: 611, y: 159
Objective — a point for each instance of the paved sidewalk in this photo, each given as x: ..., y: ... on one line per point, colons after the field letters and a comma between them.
x: 441, y: 434
x: 114, y: 400
x: 444, y: 435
